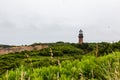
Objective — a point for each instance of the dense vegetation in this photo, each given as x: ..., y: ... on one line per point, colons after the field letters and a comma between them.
x: 4, y: 46
x: 68, y: 61
x: 89, y: 67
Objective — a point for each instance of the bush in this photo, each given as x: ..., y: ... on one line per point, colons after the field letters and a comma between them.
x: 89, y: 68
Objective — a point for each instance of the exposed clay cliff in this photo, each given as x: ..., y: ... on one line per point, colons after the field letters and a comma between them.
x: 21, y: 48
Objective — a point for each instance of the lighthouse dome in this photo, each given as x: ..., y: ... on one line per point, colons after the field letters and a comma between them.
x: 80, y: 32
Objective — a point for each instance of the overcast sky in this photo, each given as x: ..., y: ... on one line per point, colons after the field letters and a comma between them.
x: 29, y: 21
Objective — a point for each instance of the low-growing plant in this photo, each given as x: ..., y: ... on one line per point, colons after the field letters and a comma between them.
x: 88, y: 68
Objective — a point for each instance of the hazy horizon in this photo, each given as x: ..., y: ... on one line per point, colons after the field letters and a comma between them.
x: 30, y: 21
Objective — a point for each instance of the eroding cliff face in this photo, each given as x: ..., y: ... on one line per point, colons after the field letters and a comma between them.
x: 21, y: 48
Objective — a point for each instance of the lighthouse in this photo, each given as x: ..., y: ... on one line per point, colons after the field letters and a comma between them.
x: 80, y: 37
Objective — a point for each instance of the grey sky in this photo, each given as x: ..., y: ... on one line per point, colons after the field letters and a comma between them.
x: 30, y: 21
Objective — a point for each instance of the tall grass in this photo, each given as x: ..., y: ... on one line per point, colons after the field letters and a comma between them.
x: 88, y: 68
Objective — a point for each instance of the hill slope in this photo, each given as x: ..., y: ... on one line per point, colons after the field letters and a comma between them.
x: 89, y: 67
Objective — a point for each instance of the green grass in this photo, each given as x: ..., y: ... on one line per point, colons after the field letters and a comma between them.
x: 69, y: 62
x: 106, y: 67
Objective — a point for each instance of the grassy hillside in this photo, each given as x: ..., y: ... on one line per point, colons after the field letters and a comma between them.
x: 89, y: 67
x: 38, y: 57
x: 88, y: 61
